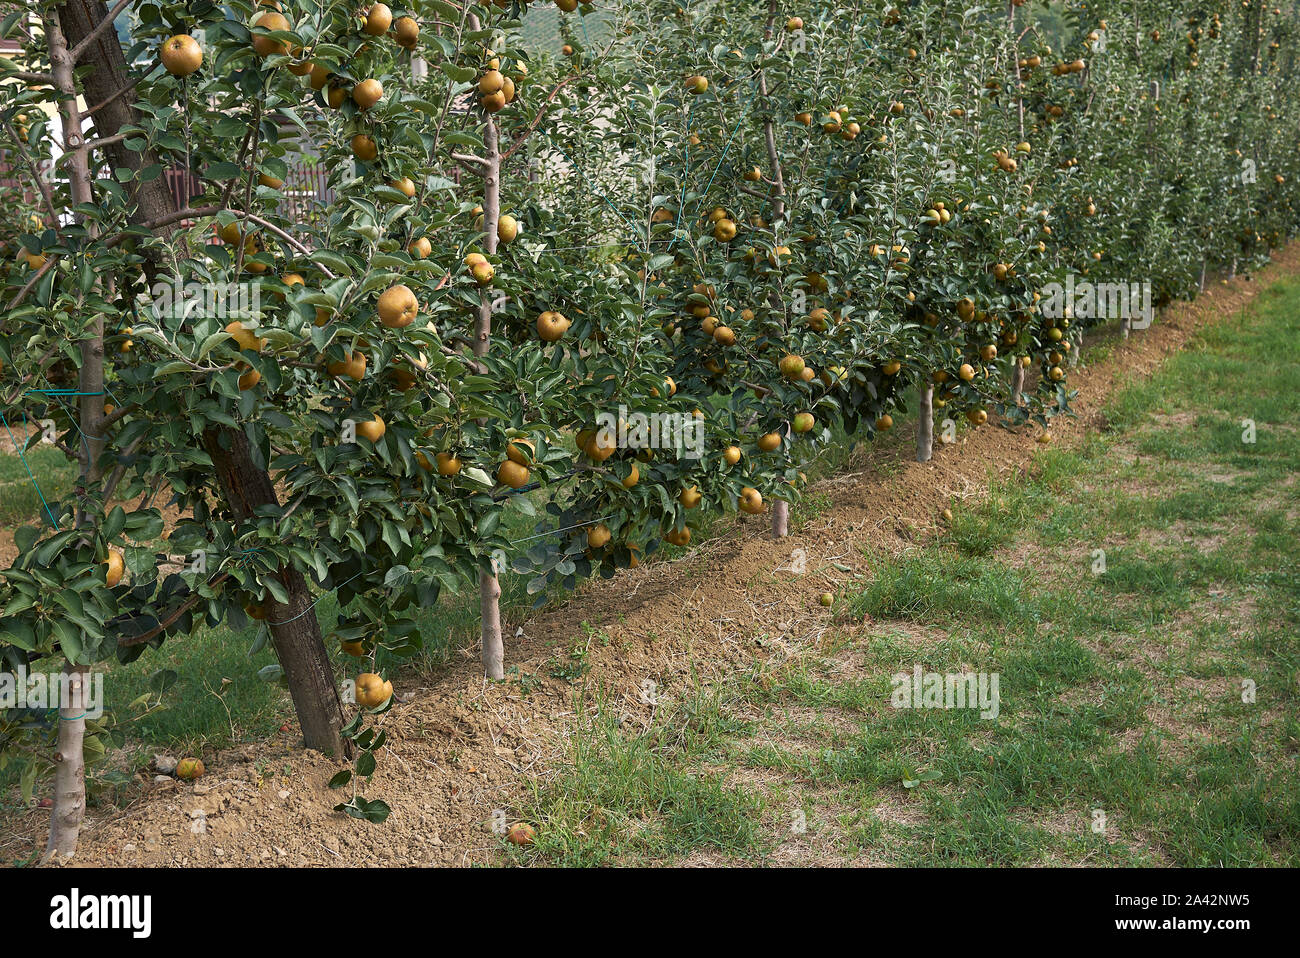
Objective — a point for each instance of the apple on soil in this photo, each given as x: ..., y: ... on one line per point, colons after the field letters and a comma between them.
x: 521, y: 833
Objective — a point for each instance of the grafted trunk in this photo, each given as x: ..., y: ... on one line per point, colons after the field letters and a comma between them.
x: 1017, y: 383
x: 295, y: 632
x: 69, y: 767
x: 925, y: 422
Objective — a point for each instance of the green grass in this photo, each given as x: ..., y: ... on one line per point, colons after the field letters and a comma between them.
x: 1122, y: 594
x: 634, y: 796
x: 20, y: 501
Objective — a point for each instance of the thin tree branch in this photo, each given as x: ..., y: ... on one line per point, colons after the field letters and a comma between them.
x: 103, y: 25
x: 111, y: 97
x: 106, y: 141
x: 31, y: 283
x: 523, y: 137
x: 44, y: 187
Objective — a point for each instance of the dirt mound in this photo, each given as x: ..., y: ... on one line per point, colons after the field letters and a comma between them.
x: 463, y: 751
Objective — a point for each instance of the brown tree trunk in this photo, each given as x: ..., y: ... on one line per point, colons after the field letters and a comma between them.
x: 780, y: 519
x: 1017, y: 383
x: 108, y: 99
x: 69, y: 767
x: 489, y: 607
x: 925, y: 422
x: 295, y: 633
x: 105, y: 87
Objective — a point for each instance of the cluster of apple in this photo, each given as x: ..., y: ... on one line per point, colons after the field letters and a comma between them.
x: 496, y: 88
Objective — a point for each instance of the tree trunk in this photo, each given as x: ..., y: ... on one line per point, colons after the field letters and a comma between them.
x: 69, y: 802
x: 925, y: 422
x: 109, y: 103
x: 780, y: 508
x: 489, y: 607
x: 69, y: 767
x: 295, y: 632
x: 489, y: 587
x: 104, y: 85
x: 780, y: 519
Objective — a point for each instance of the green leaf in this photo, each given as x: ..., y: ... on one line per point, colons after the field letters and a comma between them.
x: 223, y: 171
x: 366, y: 764
x: 456, y: 73
x: 341, y: 778
x: 331, y: 260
